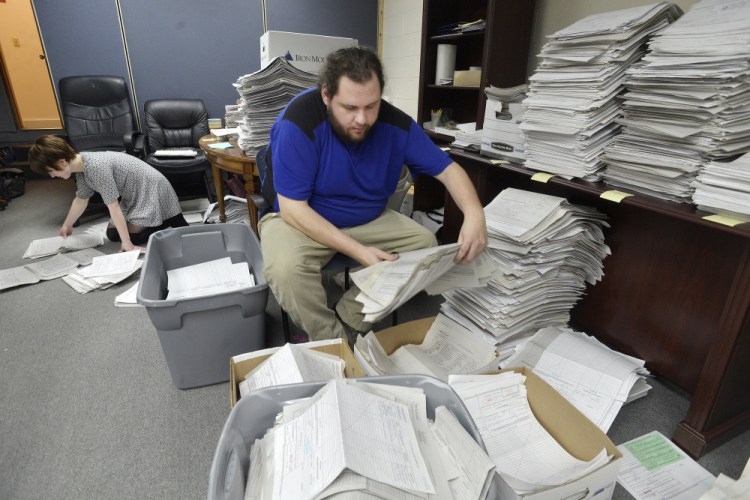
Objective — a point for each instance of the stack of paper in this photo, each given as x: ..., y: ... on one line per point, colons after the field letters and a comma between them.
x: 593, y: 377
x: 293, y: 364
x: 128, y: 298
x: 388, y: 284
x: 547, y: 250
x: 572, y: 101
x: 235, y: 210
x: 526, y: 456
x: 48, y: 269
x: 369, y: 441
x: 448, y: 348
x: 263, y: 95
x: 232, y: 115
x: 104, y: 271
x: 208, y: 278
x: 686, y: 103
x: 57, y: 244
x: 724, y: 188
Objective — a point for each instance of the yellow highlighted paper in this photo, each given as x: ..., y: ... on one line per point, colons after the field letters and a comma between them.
x: 614, y: 195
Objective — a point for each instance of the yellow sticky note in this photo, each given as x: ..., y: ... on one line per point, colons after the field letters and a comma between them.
x: 723, y: 219
x: 445, y: 148
x: 499, y: 162
x: 614, y: 195
x: 542, y: 176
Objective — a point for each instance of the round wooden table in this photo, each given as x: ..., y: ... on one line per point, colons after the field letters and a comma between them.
x: 235, y: 161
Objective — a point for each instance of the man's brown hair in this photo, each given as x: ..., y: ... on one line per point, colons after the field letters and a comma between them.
x: 47, y: 151
x: 358, y: 64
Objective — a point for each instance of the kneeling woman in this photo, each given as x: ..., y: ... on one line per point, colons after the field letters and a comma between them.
x: 147, y: 202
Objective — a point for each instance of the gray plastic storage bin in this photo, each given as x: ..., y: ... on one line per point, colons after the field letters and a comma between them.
x: 255, y: 413
x: 199, y: 335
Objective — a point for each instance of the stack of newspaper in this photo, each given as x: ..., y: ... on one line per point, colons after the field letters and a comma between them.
x: 593, y: 377
x: 724, y: 188
x: 104, y: 271
x: 526, y: 456
x: 369, y: 440
x: 547, y: 250
x: 448, y: 348
x: 263, y: 95
x: 572, y: 101
x: 51, y: 246
x: 388, y: 284
x: 235, y: 210
x: 54, y: 267
x: 686, y: 103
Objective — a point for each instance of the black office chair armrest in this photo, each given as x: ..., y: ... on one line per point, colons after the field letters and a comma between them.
x: 134, y: 143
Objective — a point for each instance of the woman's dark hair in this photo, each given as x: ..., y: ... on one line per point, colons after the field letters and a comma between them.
x: 47, y: 151
x: 356, y: 63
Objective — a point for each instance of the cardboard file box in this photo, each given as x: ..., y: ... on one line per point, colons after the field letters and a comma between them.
x: 499, y: 112
x: 198, y: 335
x: 468, y: 78
x: 577, y: 434
x: 242, y: 364
x: 256, y: 413
x: 304, y: 51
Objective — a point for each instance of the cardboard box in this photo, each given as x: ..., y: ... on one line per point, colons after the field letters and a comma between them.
x: 306, y: 52
x: 577, y: 434
x: 242, y: 364
x: 468, y: 78
x: 571, y: 428
x: 496, y: 111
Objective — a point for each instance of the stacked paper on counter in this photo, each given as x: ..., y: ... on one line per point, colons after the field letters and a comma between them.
x: 572, y: 104
x: 723, y: 187
x: 687, y: 103
x: 263, y: 95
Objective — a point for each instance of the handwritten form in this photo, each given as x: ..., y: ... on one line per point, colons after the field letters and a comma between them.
x: 654, y: 468
x: 525, y: 454
x: 347, y: 428
x: 208, y: 278
x: 593, y: 377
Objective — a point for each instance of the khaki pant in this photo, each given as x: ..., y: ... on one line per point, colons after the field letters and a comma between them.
x: 292, y: 264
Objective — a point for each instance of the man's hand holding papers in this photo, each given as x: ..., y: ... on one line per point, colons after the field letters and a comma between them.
x: 388, y: 284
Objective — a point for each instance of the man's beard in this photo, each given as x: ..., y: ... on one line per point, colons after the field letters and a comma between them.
x: 341, y: 132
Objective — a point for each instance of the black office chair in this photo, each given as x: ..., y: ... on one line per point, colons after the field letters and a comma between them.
x: 263, y: 202
x: 97, y: 114
x: 177, y: 125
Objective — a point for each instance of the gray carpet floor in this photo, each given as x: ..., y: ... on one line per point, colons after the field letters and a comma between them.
x: 87, y: 406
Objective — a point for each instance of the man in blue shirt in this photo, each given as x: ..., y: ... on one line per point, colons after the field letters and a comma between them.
x: 337, y: 152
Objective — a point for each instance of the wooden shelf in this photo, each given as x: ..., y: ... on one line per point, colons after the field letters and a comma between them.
x: 456, y: 36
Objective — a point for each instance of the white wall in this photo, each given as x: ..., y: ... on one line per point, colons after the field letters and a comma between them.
x: 401, y: 33
x: 401, y: 46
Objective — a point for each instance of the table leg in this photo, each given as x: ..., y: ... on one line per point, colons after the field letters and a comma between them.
x: 219, y: 191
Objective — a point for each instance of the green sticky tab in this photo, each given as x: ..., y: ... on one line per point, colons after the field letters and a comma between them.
x: 654, y: 451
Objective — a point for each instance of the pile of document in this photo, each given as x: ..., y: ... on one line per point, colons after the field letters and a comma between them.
x: 593, y: 377
x: 263, y: 95
x: 54, y: 267
x: 547, y: 250
x: 104, y: 271
x: 572, y: 100
x: 502, y: 136
x: 51, y: 246
x: 371, y: 440
x: 232, y: 115
x: 208, y: 278
x: 448, y: 348
x: 724, y: 188
x: 388, y: 284
x: 686, y: 103
x: 526, y: 456
x: 128, y: 298
x: 293, y: 364
x: 235, y: 210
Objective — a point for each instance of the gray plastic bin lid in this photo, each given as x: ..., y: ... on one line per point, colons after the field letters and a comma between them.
x: 255, y: 413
